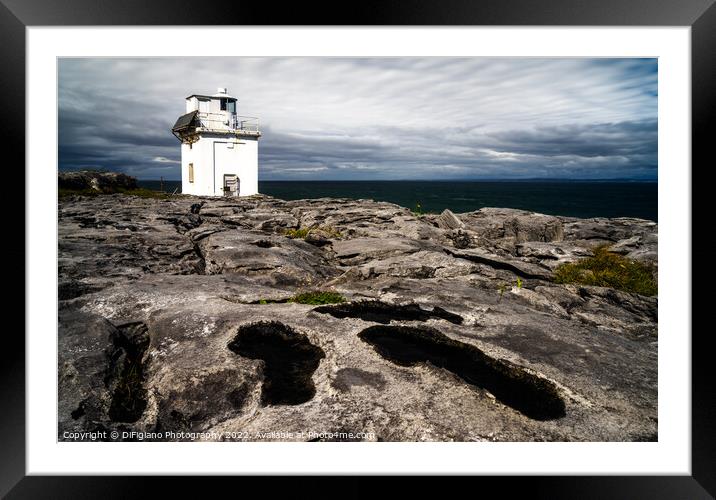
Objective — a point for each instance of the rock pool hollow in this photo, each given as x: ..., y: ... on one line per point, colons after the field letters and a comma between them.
x: 533, y: 396
x: 381, y: 312
x: 289, y: 361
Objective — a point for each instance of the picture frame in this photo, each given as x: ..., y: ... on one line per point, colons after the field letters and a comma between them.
x: 700, y: 15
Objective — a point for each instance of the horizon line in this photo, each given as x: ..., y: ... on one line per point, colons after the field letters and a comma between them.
x: 531, y: 179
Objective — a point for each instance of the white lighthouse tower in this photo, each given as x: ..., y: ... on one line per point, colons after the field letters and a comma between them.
x: 219, y: 149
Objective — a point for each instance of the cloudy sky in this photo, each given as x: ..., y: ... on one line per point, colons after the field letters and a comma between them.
x: 374, y: 118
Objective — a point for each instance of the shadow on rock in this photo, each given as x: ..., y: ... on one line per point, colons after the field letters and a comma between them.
x: 289, y: 361
x: 382, y: 312
x: 533, y: 396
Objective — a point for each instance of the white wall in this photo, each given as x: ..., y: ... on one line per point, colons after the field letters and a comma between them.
x: 200, y: 154
x: 191, y: 104
x: 213, y: 157
x: 212, y: 106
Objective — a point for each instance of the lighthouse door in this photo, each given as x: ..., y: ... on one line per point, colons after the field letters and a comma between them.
x: 231, y: 185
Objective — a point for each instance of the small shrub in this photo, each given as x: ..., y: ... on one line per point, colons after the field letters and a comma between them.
x: 501, y: 290
x: 317, y: 298
x: 300, y: 233
x: 611, y: 270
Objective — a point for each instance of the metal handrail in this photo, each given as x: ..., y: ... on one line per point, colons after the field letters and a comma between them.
x: 219, y: 121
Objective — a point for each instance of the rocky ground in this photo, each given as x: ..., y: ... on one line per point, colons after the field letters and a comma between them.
x: 174, y: 316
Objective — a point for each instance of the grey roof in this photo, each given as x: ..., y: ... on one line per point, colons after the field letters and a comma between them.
x: 184, y: 121
x: 217, y: 96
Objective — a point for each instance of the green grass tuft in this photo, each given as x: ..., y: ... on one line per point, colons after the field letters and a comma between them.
x: 63, y: 193
x: 300, y: 233
x: 611, y: 270
x: 317, y: 298
x: 145, y: 193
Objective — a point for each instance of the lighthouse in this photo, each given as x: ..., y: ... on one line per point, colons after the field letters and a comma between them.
x: 219, y: 148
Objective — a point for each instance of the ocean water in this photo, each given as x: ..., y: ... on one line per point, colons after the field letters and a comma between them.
x: 569, y: 198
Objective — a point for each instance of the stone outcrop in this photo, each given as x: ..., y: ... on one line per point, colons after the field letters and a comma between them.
x: 448, y: 220
x: 535, y: 227
x: 104, y: 182
x: 174, y: 315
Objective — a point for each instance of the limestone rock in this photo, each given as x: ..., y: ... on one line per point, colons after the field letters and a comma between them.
x: 534, y: 227
x: 518, y: 267
x: 84, y: 345
x: 357, y: 250
x: 106, y: 182
x: 276, y: 259
x: 167, y: 306
x: 448, y: 220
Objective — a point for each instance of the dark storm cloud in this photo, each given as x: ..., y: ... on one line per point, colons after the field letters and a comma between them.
x: 378, y: 118
x: 599, y: 151
x: 599, y: 139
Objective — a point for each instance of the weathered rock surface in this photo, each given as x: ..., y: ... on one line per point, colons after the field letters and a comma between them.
x: 167, y: 308
x: 268, y: 257
x: 106, y: 182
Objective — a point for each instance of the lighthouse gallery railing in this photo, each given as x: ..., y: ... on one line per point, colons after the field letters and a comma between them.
x: 220, y: 121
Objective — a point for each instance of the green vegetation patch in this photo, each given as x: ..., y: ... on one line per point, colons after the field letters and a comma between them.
x: 302, y: 232
x: 271, y: 301
x: 66, y: 193
x: 145, y: 193
x: 318, y: 298
x: 611, y: 270
x: 63, y: 193
x: 310, y: 298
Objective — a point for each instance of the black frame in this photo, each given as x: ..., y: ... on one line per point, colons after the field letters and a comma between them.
x: 700, y: 15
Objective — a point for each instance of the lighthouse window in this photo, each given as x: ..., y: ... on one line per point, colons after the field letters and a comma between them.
x: 228, y: 105
x: 191, y: 172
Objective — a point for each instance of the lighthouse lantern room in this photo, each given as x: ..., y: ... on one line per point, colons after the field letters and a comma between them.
x: 219, y: 148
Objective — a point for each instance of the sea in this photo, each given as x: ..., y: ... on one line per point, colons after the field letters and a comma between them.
x: 583, y: 199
